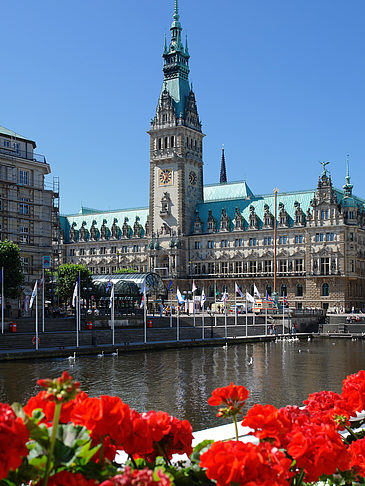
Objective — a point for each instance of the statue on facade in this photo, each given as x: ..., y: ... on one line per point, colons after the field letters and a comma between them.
x: 104, y: 230
x: 115, y: 229
x: 137, y: 228
x: 83, y: 232
x: 93, y: 231
x: 73, y: 232
x: 125, y: 228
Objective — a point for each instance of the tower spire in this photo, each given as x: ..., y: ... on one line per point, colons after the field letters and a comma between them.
x: 347, y: 188
x: 223, y: 174
x: 176, y: 10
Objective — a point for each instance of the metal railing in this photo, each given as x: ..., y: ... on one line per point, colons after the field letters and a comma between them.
x: 22, y: 154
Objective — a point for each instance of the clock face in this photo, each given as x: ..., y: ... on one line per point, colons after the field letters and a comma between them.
x: 192, y: 178
x: 165, y: 177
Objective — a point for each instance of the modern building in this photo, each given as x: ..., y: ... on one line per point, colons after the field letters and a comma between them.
x: 28, y: 208
x: 220, y: 234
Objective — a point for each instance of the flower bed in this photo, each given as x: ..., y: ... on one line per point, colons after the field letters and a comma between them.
x: 63, y: 437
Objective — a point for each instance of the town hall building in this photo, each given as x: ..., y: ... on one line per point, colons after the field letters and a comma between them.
x: 223, y: 233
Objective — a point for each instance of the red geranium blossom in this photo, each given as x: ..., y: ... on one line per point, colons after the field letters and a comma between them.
x: 324, y: 406
x: 143, y: 477
x: 357, y: 453
x: 318, y: 449
x: 66, y: 478
x: 139, y: 441
x: 104, y: 416
x: 231, y: 397
x: 168, y: 434
x: 48, y: 406
x: 13, y: 437
x: 234, y: 462
x: 353, y: 391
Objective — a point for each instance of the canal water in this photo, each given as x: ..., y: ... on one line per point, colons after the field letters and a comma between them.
x: 181, y: 381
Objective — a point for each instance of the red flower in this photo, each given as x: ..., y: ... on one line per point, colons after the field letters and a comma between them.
x: 353, y: 391
x: 140, y: 439
x: 104, y: 416
x: 318, y: 449
x: 357, y: 453
x: 232, y: 397
x: 324, y: 406
x: 66, y: 478
x: 13, y: 437
x: 143, y: 477
x: 48, y: 406
x: 168, y: 434
x: 234, y: 462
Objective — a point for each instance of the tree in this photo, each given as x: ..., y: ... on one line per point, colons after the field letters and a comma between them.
x: 67, y: 277
x: 11, y: 262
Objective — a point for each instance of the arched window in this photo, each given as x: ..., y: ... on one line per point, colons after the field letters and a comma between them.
x: 166, y: 142
x: 325, y: 292
x: 172, y: 141
x: 211, y: 291
x: 283, y: 290
x: 299, y: 290
x: 268, y: 289
x: 252, y: 290
x: 159, y: 143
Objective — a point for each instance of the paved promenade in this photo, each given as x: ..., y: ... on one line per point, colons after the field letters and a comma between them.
x: 59, y: 338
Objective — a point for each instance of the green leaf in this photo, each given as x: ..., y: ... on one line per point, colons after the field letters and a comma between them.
x: 200, y: 449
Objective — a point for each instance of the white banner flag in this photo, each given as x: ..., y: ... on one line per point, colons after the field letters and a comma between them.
x: 256, y: 293
x: 249, y: 298
x: 74, y: 295
x: 34, y: 293
x: 202, y: 299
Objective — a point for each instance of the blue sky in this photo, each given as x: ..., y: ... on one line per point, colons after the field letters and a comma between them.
x: 281, y: 84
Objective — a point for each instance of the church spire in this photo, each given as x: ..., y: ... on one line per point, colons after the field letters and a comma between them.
x: 347, y: 188
x: 223, y: 174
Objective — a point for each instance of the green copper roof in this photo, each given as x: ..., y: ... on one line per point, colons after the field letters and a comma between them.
x: 229, y: 190
x: 89, y: 215
x: 258, y: 202
x: 11, y: 133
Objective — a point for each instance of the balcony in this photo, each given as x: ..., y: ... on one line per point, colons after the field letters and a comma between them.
x: 22, y: 154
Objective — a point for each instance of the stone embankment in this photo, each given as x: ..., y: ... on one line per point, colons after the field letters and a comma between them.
x: 59, y: 337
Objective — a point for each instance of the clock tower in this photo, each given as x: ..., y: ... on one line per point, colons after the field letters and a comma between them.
x: 176, y: 149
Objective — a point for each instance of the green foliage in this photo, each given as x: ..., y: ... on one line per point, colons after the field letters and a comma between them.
x: 13, y: 274
x: 67, y: 277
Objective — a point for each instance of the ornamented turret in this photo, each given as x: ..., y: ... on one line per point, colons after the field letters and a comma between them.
x: 347, y: 188
x: 176, y: 77
x: 223, y: 174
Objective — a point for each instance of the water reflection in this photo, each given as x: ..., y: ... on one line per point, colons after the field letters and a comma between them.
x: 181, y: 381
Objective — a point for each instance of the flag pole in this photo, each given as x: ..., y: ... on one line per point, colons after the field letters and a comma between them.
x: 246, y: 313
x: 2, y: 300
x: 79, y: 302
x: 144, y: 312
x: 266, y: 320
x: 177, y: 320
x: 112, y: 316
x: 193, y: 307
x: 43, y: 301
x: 171, y: 308
x: 235, y: 305
x: 225, y: 318
x: 77, y: 320
x: 283, y: 313
x: 254, y: 313
x: 203, y: 322
x: 215, y: 303
x: 36, y: 321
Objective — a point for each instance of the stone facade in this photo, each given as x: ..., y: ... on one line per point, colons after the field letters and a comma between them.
x: 223, y: 234
x: 28, y: 209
